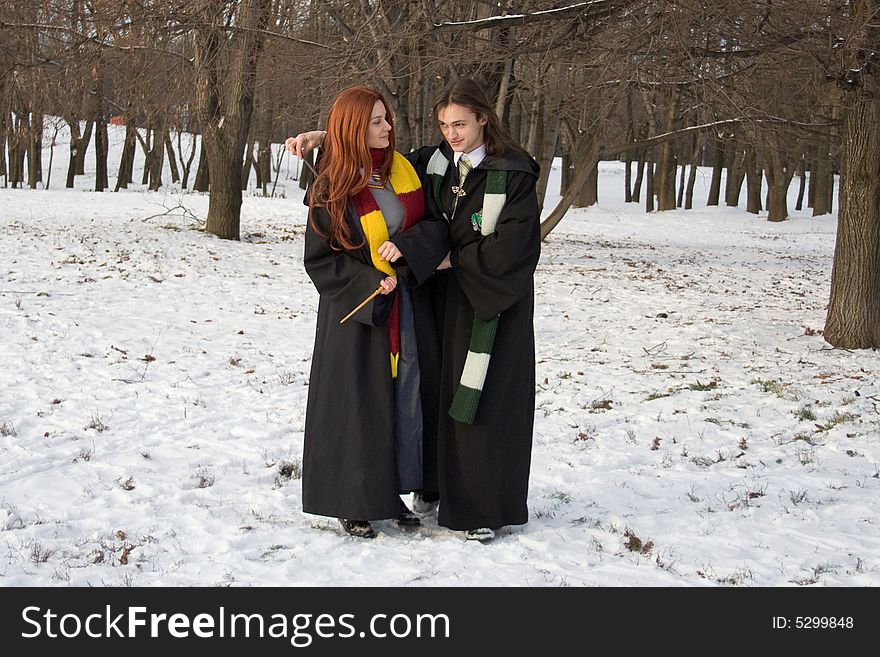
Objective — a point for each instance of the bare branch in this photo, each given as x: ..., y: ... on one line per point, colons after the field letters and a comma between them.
x: 584, y: 10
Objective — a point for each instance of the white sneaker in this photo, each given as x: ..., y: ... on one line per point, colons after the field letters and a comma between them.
x: 423, y: 507
x: 483, y: 534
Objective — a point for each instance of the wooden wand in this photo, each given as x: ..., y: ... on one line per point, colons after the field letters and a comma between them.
x: 362, y: 304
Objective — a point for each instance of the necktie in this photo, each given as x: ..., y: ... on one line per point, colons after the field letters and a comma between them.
x: 464, y: 167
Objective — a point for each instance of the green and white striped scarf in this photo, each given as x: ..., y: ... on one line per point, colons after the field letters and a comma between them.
x: 476, y: 365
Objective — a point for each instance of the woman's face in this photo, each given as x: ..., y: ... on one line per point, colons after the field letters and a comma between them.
x: 379, y: 130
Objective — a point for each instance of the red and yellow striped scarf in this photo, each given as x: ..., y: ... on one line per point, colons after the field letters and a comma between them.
x: 405, y: 183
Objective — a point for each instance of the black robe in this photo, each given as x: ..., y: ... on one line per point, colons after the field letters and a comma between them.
x: 349, y: 461
x: 483, y: 468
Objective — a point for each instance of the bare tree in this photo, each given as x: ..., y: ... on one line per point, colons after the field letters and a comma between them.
x: 228, y: 40
x: 853, y: 319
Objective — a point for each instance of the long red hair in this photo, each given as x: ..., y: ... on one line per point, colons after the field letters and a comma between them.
x: 346, y: 163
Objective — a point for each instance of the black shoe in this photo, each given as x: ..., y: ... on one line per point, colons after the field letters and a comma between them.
x: 358, y: 528
x: 483, y: 534
x: 408, y: 520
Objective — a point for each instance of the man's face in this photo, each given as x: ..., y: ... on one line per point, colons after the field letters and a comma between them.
x: 461, y: 128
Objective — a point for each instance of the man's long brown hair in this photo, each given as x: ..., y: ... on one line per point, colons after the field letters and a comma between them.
x: 467, y: 93
x: 346, y: 164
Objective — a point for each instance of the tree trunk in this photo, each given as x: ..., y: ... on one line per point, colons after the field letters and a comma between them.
x: 126, y: 161
x: 422, y: 104
x: 779, y: 176
x: 692, y: 177
x: 777, y: 204
x: 649, y: 183
x: 172, y: 160
x: 149, y: 153
x: 157, y: 158
x: 246, y: 165
x: 83, y: 147
x: 810, y: 166
x: 4, y: 119
x: 501, y: 104
x: 514, y: 122
x: 74, y: 150
x: 640, y: 174
x: 534, y: 126
x: 227, y: 70
x: 550, y: 134
x: 628, y: 156
x: 680, y: 200
x: 822, y: 176
x: 754, y: 177
x: 186, y: 164
x: 853, y: 320
x: 587, y: 153
x: 566, y: 174
x: 258, y: 167
x: 51, y: 155
x: 35, y: 150
x: 202, y: 182
x: 663, y: 179
x: 717, y: 168
x: 589, y: 193
x: 802, y: 183
x: 735, y: 174
x: 264, y: 164
x: 224, y: 204
x: 667, y: 163
x: 22, y: 152
x: 16, y: 154
x: 102, y: 146
x: 25, y: 142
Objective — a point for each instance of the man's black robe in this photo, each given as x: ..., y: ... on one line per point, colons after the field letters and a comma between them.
x: 482, y: 469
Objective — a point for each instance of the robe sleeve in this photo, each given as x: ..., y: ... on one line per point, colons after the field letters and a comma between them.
x: 341, y: 278
x: 425, y: 244
x: 423, y: 247
x: 495, y: 271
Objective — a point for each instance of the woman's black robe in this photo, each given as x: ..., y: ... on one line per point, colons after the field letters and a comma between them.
x: 349, y: 465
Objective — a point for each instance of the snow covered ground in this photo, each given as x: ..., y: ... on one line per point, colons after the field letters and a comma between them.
x: 692, y: 426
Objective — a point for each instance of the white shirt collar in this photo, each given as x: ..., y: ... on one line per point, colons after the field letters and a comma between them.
x: 476, y: 156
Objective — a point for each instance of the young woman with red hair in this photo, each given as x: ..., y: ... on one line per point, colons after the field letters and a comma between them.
x: 364, y: 423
